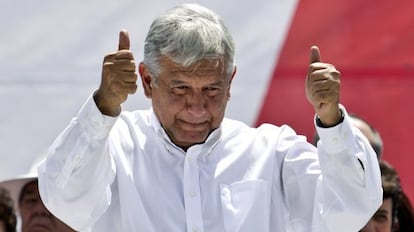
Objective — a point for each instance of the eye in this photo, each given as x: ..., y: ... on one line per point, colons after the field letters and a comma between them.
x: 29, y: 201
x: 381, y: 217
x: 180, y: 90
x: 212, y: 91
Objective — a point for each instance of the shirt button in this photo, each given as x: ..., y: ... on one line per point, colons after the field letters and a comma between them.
x: 225, y: 192
x: 346, y: 134
x: 193, y: 194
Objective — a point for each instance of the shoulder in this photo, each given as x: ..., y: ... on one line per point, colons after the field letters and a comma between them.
x: 264, y: 131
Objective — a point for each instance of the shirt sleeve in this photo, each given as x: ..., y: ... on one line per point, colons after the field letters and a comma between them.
x: 338, y: 183
x: 75, y: 178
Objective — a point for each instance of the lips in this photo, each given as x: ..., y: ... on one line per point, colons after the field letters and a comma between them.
x: 40, y: 228
x: 193, y: 126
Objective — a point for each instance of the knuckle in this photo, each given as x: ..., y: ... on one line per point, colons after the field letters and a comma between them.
x: 107, y: 64
x: 133, y: 88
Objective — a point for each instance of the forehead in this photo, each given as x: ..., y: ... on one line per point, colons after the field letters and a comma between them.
x: 204, y: 67
x: 386, y: 204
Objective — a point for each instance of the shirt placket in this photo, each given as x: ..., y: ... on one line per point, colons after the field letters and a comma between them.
x: 192, y: 196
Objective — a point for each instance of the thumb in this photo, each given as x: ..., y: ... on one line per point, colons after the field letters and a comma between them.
x: 123, y: 40
x: 315, y: 55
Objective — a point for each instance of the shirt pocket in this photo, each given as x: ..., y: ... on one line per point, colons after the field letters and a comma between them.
x: 245, y: 206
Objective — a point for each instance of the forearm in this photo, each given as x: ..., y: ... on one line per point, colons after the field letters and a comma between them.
x: 79, y: 170
x: 334, y: 188
x: 350, y: 174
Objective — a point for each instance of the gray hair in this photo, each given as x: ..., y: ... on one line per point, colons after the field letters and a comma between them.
x: 187, y: 34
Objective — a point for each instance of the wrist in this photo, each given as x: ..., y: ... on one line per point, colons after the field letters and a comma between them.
x: 330, y: 123
x: 105, y: 108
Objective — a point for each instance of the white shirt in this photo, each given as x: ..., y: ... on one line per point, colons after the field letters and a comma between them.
x: 124, y: 174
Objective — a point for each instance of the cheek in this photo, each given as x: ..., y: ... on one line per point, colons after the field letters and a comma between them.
x: 168, y: 99
x: 24, y: 214
x: 166, y: 107
x: 219, y: 103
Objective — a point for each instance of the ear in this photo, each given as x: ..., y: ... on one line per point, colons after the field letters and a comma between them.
x: 230, y: 81
x: 233, y: 74
x: 145, y: 79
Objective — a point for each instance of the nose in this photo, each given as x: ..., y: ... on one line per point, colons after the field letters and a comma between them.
x: 40, y: 209
x: 196, y: 104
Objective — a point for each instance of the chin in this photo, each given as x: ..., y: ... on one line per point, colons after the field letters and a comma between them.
x: 38, y: 229
x: 190, y: 142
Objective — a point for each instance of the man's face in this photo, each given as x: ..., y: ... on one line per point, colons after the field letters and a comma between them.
x: 189, y: 102
x: 35, y: 217
x: 382, y: 219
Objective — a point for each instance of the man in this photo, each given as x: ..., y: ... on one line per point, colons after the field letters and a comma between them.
x: 370, y: 133
x: 182, y: 166
x: 34, y: 217
x: 386, y: 217
x: 394, y: 196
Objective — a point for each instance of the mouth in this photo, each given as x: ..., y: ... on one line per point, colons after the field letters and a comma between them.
x: 193, y: 126
x: 38, y: 227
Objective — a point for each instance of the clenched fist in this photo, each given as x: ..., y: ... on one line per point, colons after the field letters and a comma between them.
x: 322, y: 89
x: 118, y: 78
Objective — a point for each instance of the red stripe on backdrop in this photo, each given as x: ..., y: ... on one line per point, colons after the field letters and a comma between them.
x: 371, y: 44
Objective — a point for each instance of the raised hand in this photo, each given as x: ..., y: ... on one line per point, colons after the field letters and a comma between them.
x: 322, y: 89
x: 118, y: 78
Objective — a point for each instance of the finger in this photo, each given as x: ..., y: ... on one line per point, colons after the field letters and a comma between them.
x: 125, y: 65
x: 129, y: 87
x: 123, y: 40
x: 109, y: 57
x: 124, y: 55
x: 122, y: 70
x: 130, y: 78
x: 315, y: 55
x: 326, y: 72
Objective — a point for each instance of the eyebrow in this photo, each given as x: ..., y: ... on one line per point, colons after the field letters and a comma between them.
x: 27, y: 192
x: 179, y: 81
x: 383, y: 210
x: 197, y: 69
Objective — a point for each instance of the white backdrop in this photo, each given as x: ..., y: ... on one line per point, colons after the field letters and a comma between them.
x: 51, y: 54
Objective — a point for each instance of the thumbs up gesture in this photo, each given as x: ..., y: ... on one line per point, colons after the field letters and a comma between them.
x: 322, y: 89
x: 118, y: 78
